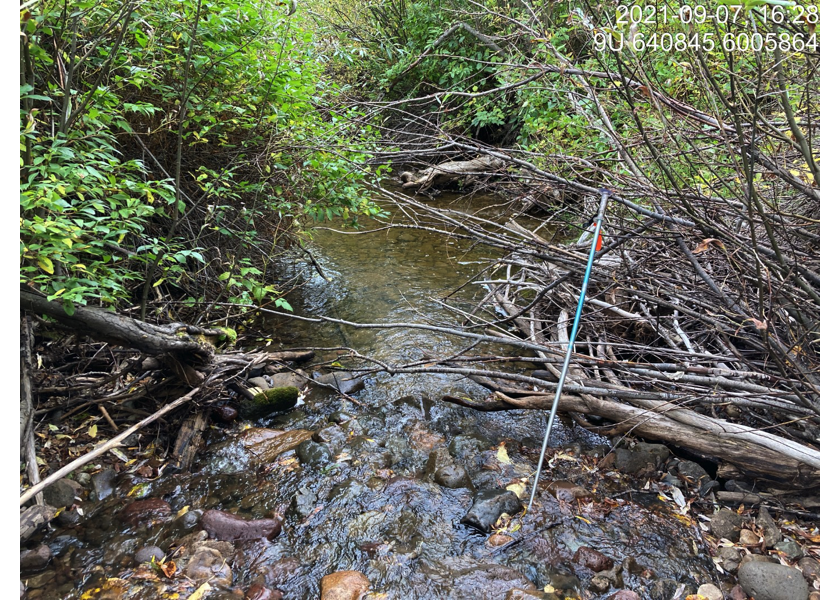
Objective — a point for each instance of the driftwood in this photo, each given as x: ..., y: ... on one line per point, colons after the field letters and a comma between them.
x: 179, y: 340
x: 189, y: 440
x: 450, y: 171
x: 104, y: 447
x: 32, y: 518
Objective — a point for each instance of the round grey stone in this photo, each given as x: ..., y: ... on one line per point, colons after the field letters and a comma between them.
x: 771, y: 581
x: 710, y: 591
x: 146, y: 553
x: 61, y: 493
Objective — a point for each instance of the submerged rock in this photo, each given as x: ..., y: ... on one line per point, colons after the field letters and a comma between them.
x: 264, y: 445
x: 488, y: 506
x: 207, y: 564
x: 260, y: 592
x: 226, y: 526
x: 592, y: 559
x: 145, y: 510
x: 344, y: 585
x: 346, y: 383
x: 465, y: 577
x: 771, y: 581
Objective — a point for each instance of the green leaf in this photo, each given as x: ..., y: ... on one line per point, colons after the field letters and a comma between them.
x: 282, y: 303
x: 46, y: 264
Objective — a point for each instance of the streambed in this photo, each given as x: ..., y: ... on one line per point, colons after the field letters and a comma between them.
x: 372, y: 502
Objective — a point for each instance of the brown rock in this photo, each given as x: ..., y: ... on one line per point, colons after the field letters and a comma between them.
x: 260, y: 592
x: 226, y: 526
x: 625, y: 595
x: 748, y: 538
x: 279, y: 572
x: 424, y: 440
x: 32, y: 560
x: 498, y: 539
x: 566, y: 490
x: 344, y: 585
x: 810, y: 568
x: 592, y: 559
x: 145, y: 510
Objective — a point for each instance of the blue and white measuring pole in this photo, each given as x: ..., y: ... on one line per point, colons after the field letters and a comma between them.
x: 599, y: 218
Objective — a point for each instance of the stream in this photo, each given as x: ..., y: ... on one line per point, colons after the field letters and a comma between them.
x: 368, y: 495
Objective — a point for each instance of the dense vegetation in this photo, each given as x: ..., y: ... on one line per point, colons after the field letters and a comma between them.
x: 171, y: 150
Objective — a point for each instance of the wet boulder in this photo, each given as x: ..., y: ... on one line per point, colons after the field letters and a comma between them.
x: 224, y: 413
x: 453, y: 477
x: 344, y: 585
x: 771, y: 581
x: 103, y: 484
x: 488, y: 506
x: 229, y: 527
x: 312, y: 453
x: 333, y: 435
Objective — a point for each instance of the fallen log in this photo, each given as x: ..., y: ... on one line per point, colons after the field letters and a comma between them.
x: 33, y: 518
x: 787, y: 462
x: 449, y: 171
x: 188, y: 343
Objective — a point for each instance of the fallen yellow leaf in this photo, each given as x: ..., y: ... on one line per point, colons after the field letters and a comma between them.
x: 502, y: 454
x: 200, y: 592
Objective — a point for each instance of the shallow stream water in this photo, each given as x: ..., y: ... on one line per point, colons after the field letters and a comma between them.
x: 373, y: 506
